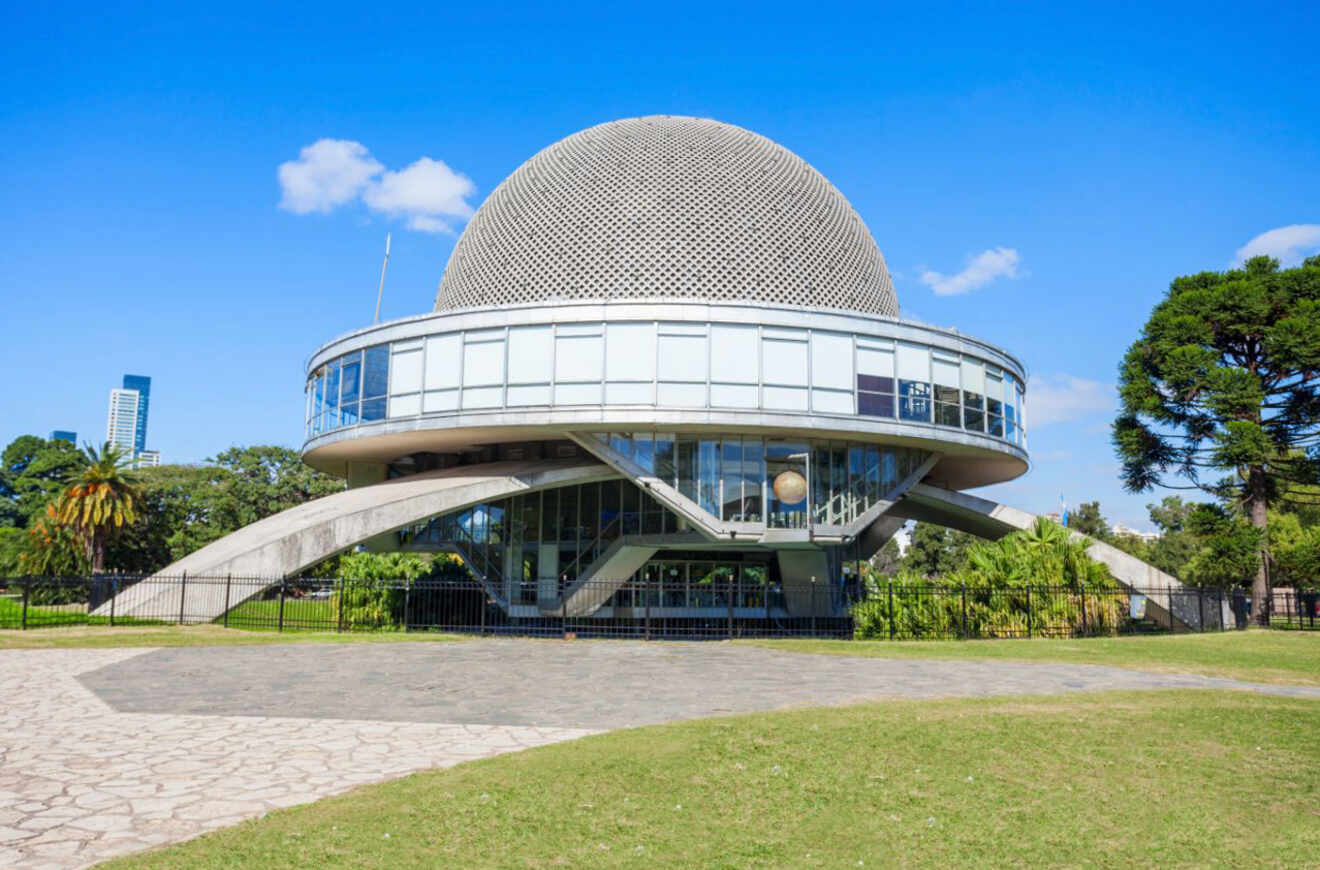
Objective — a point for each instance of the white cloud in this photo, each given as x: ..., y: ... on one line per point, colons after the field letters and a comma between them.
x: 1289, y: 245
x: 333, y: 172
x: 1065, y: 399
x: 327, y: 174
x: 983, y: 268
x: 424, y: 191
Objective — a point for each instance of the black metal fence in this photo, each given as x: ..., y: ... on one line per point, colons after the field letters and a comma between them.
x: 634, y: 609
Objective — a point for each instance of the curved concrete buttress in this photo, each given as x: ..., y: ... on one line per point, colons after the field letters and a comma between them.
x: 1165, y: 593
x: 296, y: 539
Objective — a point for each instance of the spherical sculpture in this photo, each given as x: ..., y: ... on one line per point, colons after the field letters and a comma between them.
x: 672, y: 208
x: 790, y: 487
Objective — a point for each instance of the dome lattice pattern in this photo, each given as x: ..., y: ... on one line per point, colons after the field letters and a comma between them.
x: 667, y: 208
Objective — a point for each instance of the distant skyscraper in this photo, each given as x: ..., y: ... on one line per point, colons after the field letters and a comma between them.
x: 147, y: 459
x: 142, y: 384
x: 122, y: 421
x: 62, y: 435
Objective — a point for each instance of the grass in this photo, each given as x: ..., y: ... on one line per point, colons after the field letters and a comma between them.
x: 1109, y: 779
x: 99, y: 636
x: 1264, y: 656
x: 298, y: 612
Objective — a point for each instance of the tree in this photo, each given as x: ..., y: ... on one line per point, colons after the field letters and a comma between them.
x: 52, y: 547
x: 32, y: 472
x: 99, y: 500
x: 887, y: 559
x: 182, y: 508
x: 1225, y: 377
x: 265, y: 480
x: 1088, y: 520
x: 936, y: 551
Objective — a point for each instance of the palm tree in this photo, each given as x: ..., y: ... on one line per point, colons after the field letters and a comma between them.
x: 100, y: 499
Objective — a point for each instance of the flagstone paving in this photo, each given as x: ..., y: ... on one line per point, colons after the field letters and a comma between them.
x: 104, y: 752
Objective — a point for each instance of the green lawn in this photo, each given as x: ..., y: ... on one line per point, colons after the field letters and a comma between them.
x: 1111, y: 779
x: 1257, y: 655
x: 89, y: 636
x: 299, y: 613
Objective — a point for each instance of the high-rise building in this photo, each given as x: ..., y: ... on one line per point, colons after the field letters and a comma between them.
x: 147, y: 459
x: 142, y: 384
x: 63, y: 435
x: 122, y: 421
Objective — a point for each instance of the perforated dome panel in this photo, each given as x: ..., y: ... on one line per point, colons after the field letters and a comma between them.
x: 667, y: 208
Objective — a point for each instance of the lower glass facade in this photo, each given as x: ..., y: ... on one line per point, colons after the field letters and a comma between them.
x: 517, y: 544
x: 779, y: 484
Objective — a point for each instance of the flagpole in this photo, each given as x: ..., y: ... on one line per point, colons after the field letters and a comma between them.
x: 381, y: 289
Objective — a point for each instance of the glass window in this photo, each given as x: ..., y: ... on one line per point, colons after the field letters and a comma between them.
x: 375, y: 374
x: 373, y: 409
x: 914, y: 401
x: 673, y: 576
x: 630, y: 509
x: 350, y: 378
x: 609, y: 510
x: 973, y: 411
x: 621, y: 443
x: 754, y: 580
x: 875, y: 384
x: 820, y: 484
x: 947, y: 412
x: 568, y: 523
x: 856, y: 483
x: 731, y: 480
x: 753, y: 469
x: 686, y: 450
x: 873, y: 492
x: 786, y: 484
x: 701, y: 584
x: 529, y: 520
x: 644, y: 451
x: 549, y: 515
x: 709, y: 477
x: 838, y: 503
x: 331, y: 418
x: 875, y: 405
x: 589, y: 512
x: 664, y: 458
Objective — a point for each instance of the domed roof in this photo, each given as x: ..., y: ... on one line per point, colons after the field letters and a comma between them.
x: 667, y: 208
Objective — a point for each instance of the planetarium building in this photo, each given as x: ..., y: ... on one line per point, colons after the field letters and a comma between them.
x: 665, y: 369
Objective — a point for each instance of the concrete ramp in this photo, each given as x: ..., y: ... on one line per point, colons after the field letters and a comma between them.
x: 602, y: 578
x: 1165, y: 594
x: 295, y: 539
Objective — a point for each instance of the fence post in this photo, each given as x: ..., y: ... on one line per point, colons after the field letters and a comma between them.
x: 729, y: 596
x: 964, y: 610
x: 563, y: 617
x: 339, y: 617
x: 891, y: 608
x: 283, y: 582
x: 1028, y: 611
x: 114, y: 593
x: 1085, y: 629
x: 1168, y: 599
x: 1200, y: 609
x: 485, y: 603
x: 407, y: 604
x: 183, y: 591
x: 647, y: 592
x: 27, y: 586
x: 813, y: 607
x: 228, y: 580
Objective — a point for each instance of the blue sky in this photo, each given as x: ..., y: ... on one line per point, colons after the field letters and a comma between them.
x: 1110, y: 147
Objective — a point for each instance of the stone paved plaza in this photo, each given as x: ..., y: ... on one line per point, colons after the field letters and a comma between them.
x: 104, y: 752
